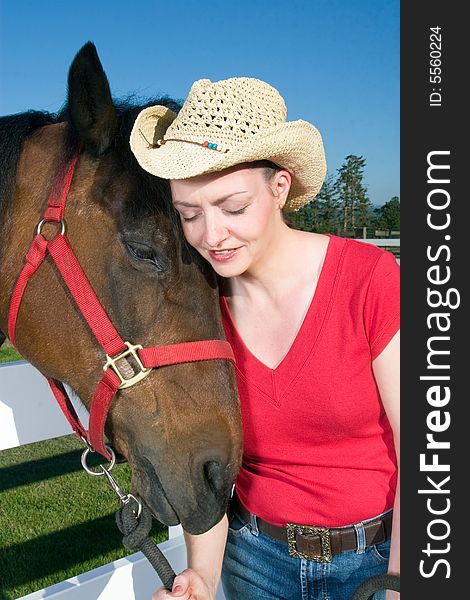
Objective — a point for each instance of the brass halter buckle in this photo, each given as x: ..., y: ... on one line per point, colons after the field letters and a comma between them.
x: 325, y: 542
x: 140, y: 374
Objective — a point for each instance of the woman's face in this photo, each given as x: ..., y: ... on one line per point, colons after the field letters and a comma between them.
x: 232, y: 217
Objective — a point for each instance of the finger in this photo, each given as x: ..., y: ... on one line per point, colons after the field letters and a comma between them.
x: 180, y: 587
x: 163, y: 594
x: 160, y: 594
x: 193, y: 584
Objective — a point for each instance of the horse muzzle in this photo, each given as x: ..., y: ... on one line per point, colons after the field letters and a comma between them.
x: 197, y: 500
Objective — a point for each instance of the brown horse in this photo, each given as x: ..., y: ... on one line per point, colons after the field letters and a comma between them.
x: 180, y: 427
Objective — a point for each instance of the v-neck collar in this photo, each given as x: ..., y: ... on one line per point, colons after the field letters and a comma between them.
x: 276, y: 382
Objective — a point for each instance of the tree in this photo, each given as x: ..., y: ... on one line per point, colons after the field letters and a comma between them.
x: 297, y: 219
x: 327, y: 202
x: 353, y: 200
x: 321, y: 213
x: 390, y: 214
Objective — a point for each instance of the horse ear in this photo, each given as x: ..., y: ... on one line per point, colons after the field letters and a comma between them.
x: 90, y: 103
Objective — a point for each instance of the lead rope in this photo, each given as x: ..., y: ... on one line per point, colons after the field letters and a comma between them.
x: 376, y: 584
x: 134, y: 520
x: 136, y: 537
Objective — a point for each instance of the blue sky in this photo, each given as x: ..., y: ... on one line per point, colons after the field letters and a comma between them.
x: 335, y: 62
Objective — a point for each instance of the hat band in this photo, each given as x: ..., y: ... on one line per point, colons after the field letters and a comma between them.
x: 205, y: 144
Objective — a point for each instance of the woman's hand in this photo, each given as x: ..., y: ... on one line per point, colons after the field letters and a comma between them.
x: 188, y: 585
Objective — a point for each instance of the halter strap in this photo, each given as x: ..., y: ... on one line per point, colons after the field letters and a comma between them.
x: 104, y: 331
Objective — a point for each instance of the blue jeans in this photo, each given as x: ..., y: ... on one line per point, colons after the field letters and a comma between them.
x: 258, y: 567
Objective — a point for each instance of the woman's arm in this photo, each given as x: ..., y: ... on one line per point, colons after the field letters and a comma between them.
x: 386, y: 369
x: 206, y: 553
x: 205, y: 556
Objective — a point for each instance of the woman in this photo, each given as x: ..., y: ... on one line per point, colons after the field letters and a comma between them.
x: 313, y: 321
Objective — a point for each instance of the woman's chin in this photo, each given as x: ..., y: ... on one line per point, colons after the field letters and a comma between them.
x: 231, y: 268
x: 228, y: 272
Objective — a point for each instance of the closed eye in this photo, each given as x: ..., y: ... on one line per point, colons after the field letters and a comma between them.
x: 145, y: 253
x: 237, y: 212
x: 230, y: 212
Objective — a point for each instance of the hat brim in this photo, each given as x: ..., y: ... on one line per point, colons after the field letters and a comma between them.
x: 149, y: 127
x: 296, y: 146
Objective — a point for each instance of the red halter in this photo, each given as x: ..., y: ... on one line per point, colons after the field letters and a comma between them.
x: 104, y: 331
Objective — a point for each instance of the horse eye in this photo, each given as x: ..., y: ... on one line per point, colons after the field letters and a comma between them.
x: 145, y: 253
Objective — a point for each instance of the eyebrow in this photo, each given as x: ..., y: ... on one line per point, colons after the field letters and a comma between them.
x: 215, y: 203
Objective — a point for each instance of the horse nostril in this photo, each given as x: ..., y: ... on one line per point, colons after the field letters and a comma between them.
x: 215, y: 476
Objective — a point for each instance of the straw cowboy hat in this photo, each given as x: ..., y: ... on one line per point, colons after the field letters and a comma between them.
x: 226, y: 123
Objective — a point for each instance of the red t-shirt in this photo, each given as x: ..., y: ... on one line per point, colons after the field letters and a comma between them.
x: 318, y: 447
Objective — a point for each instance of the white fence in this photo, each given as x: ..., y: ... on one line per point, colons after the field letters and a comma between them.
x: 29, y: 413
x: 388, y: 242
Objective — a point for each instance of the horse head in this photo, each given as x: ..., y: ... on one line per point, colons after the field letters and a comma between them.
x: 180, y: 427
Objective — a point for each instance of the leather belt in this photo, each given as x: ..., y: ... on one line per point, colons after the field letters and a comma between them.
x: 319, y: 543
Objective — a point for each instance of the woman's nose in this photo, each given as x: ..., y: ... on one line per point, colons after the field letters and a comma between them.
x: 215, y: 232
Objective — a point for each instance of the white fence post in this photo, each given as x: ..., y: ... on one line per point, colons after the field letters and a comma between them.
x: 28, y: 410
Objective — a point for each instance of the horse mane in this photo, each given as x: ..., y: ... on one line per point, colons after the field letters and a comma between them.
x: 16, y: 129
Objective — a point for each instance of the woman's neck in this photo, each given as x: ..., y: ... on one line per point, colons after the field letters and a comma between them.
x: 283, y: 262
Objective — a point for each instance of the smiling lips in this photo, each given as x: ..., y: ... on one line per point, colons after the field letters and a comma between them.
x: 223, y: 255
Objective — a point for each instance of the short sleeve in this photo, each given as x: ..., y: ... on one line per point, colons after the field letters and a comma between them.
x: 382, y: 304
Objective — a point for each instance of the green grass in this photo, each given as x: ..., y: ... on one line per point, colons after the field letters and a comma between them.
x: 8, y: 353
x: 55, y: 520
